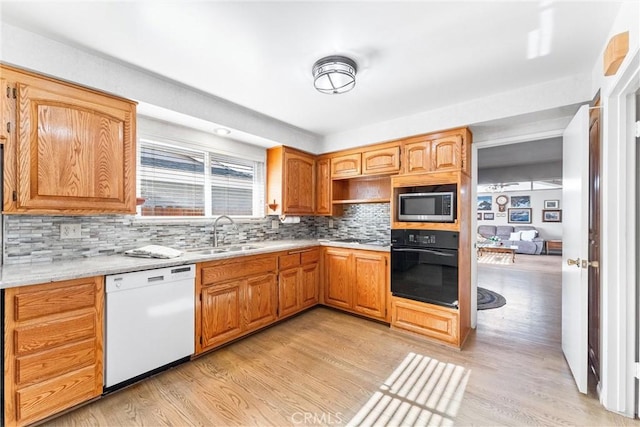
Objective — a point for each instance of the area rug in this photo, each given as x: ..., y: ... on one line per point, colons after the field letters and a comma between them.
x: 495, y: 258
x: 488, y: 299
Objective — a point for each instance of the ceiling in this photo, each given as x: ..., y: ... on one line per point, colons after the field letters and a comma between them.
x: 524, y: 153
x: 412, y: 57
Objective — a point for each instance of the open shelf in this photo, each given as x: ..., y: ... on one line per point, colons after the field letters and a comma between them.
x: 369, y: 189
x: 351, y: 201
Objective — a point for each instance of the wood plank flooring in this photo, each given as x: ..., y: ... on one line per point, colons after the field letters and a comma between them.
x: 321, y: 367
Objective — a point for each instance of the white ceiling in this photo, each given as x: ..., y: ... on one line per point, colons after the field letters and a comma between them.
x: 412, y: 56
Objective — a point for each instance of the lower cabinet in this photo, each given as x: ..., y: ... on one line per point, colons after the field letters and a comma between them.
x: 357, y: 281
x: 298, y: 280
x: 434, y: 321
x: 53, y: 348
x: 235, y: 296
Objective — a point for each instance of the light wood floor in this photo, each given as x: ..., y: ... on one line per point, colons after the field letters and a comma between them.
x: 321, y: 367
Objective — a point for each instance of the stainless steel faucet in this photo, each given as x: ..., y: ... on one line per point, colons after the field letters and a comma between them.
x: 215, y: 228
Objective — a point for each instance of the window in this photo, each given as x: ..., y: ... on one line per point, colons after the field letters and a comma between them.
x: 174, y: 181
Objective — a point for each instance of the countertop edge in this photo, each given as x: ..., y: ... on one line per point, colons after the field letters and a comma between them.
x: 38, y: 273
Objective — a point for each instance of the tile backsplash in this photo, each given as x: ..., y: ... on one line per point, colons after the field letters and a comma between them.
x: 37, y: 238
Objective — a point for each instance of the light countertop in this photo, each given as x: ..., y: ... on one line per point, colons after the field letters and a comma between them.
x: 36, y: 273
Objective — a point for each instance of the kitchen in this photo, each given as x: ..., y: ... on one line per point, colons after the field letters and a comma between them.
x: 118, y: 240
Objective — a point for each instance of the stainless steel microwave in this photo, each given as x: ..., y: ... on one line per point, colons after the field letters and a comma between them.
x: 426, y: 207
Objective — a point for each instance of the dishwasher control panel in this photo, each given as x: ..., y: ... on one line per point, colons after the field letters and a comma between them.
x: 118, y: 282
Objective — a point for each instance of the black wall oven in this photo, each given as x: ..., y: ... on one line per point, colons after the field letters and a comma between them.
x: 424, y: 266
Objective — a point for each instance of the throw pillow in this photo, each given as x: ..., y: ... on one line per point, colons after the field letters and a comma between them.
x: 528, y: 235
x: 515, y: 236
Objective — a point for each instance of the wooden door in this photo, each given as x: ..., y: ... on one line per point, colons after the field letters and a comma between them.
x: 417, y: 157
x: 346, y: 165
x: 594, y: 242
x: 384, y: 160
x: 261, y: 301
x: 338, y: 278
x: 370, y: 278
x: 309, y: 280
x: 222, y: 312
x: 323, y: 187
x: 575, y: 251
x: 446, y: 153
x: 299, y: 183
x: 289, y: 290
x: 75, y: 149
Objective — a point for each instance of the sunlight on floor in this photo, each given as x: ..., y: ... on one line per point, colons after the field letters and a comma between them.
x: 421, y: 391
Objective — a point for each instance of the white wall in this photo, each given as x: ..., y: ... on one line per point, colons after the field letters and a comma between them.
x: 546, y: 230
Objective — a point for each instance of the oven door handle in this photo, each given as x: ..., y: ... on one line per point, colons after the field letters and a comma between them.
x: 428, y: 251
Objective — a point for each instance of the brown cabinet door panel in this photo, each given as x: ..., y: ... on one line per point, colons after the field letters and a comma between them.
x: 310, y: 280
x: 289, y: 283
x: 347, y: 165
x: 221, y: 313
x: 339, y: 287
x: 417, y: 157
x: 370, y: 281
x: 261, y: 298
x: 446, y: 153
x: 323, y: 187
x: 299, y: 183
x: 386, y: 160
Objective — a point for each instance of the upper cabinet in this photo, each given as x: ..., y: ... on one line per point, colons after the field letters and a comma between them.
x: 291, y: 183
x: 441, y: 152
x: 369, y: 162
x: 68, y: 149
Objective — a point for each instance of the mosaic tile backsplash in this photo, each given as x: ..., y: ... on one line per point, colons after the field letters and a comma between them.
x: 29, y: 239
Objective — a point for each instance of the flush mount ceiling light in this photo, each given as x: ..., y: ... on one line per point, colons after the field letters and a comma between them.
x: 334, y: 74
x: 222, y: 131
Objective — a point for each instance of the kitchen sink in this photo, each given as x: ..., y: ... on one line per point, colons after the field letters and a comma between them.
x: 225, y: 249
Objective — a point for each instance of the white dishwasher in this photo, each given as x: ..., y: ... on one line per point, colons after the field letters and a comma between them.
x: 149, y: 322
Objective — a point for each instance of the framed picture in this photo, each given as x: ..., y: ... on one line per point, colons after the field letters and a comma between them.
x: 488, y: 216
x: 520, y: 215
x: 479, y: 215
x: 520, y: 201
x: 552, y: 204
x: 551, y: 215
x: 484, y: 203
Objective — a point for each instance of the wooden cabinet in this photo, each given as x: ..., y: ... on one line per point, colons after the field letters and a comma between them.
x: 384, y: 160
x: 53, y: 348
x: 68, y: 149
x: 439, y: 323
x: 357, y: 281
x: 440, y: 152
x: 298, y: 280
x: 291, y: 182
x: 323, y: 187
x: 235, y: 296
x: 347, y: 165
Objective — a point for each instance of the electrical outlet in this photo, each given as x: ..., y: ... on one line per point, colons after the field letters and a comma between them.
x: 70, y: 231
x: 275, y: 224
x: 330, y: 223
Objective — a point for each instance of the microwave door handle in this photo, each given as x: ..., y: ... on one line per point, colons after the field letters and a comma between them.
x: 428, y: 251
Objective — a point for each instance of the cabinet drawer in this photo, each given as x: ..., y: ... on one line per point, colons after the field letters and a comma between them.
x: 289, y: 261
x: 425, y: 319
x: 310, y: 257
x: 219, y: 271
x: 54, y: 301
x: 46, y: 335
x: 57, y: 361
x: 44, y: 399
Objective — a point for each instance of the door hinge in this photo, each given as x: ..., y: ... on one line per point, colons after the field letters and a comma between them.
x: 638, y: 129
x: 15, y: 196
x: 8, y: 127
x: 637, y: 370
x: 8, y: 92
x: 200, y: 339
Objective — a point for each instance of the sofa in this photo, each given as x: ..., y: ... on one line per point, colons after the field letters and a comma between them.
x: 528, y: 242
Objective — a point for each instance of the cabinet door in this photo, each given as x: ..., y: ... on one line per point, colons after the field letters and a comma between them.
x: 261, y: 299
x: 323, y: 187
x: 299, y: 183
x: 417, y: 157
x: 289, y: 298
x: 370, y: 277
x: 446, y: 153
x: 75, y: 149
x: 338, y: 285
x: 221, y: 312
x: 309, y: 280
x: 386, y: 160
x: 346, y: 166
